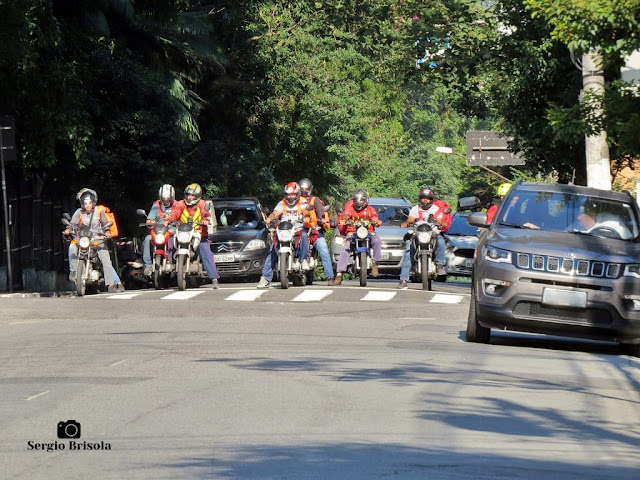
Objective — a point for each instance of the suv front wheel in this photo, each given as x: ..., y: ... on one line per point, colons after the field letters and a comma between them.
x: 475, y: 332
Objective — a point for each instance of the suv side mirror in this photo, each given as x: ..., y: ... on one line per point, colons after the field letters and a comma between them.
x: 478, y: 219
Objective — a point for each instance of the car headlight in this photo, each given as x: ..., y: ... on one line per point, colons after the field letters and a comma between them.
x: 284, y: 235
x: 339, y: 241
x: 632, y: 270
x: 84, y: 242
x: 160, y: 238
x: 424, y: 237
x: 362, y: 232
x: 184, y: 237
x: 255, y: 244
x: 497, y: 255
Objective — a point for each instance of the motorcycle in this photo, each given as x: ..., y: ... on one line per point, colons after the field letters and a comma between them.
x: 289, y: 264
x: 424, y: 238
x: 188, y: 263
x: 361, y: 250
x: 163, y: 268
x: 89, y: 273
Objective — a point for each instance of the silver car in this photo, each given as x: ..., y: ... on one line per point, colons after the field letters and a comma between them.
x: 461, y: 240
x: 559, y: 260
x: 392, y: 212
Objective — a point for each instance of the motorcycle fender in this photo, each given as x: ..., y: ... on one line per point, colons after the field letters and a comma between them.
x: 285, y: 249
x: 183, y: 251
x: 161, y: 252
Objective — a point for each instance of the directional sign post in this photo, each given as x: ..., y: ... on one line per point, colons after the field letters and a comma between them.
x: 7, y: 154
x: 486, y: 147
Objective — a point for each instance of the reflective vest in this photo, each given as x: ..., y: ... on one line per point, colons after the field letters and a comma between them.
x: 197, y: 215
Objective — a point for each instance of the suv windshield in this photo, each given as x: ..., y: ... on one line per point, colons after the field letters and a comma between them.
x: 392, y: 214
x: 570, y: 213
x: 237, y: 216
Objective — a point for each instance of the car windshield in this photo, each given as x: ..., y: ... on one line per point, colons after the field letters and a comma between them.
x: 392, y: 214
x: 570, y: 213
x: 237, y: 217
x: 459, y: 226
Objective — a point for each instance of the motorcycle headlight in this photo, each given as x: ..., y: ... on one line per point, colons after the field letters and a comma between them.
x: 424, y: 237
x: 255, y: 244
x: 84, y: 242
x: 184, y: 237
x: 497, y: 255
x: 284, y: 235
x: 160, y: 239
x: 339, y: 241
x: 362, y: 232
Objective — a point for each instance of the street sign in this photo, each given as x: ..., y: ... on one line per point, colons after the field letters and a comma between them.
x: 486, y: 147
x: 8, y: 138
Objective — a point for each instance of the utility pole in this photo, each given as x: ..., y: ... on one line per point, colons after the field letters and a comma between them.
x: 596, y: 148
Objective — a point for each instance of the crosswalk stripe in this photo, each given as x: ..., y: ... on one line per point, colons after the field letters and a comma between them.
x: 312, y: 295
x: 183, y: 295
x: 246, y: 295
x: 443, y: 298
x: 124, y: 296
x: 378, y: 296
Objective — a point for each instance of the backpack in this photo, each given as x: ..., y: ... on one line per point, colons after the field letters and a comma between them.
x: 110, y: 218
x: 446, y: 217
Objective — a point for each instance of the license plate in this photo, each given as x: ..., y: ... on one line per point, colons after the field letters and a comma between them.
x: 386, y: 255
x: 225, y: 258
x: 468, y: 263
x: 564, y: 298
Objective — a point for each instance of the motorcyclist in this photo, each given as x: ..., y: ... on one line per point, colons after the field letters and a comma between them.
x: 88, y: 216
x: 160, y: 209
x: 293, y: 208
x: 501, y: 192
x: 427, y: 205
x: 358, y: 209
x: 306, y: 189
x: 194, y: 207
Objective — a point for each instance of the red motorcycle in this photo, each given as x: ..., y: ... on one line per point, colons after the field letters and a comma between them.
x: 163, y: 268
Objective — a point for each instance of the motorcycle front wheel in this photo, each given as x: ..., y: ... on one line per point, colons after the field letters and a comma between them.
x: 284, y: 273
x: 81, y: 281
x: 425, y: 265
x: 363, y: 269
x: 181, y: 272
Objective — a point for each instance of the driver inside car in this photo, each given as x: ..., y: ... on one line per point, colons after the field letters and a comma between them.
x: 595, y: 217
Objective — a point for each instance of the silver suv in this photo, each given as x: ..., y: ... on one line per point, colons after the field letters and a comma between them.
x: 559, y: 260
x: 392, y: 212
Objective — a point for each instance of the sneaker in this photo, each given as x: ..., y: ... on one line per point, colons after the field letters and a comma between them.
x: 338, y: 279
x: 330, y: 282
x: 403, y: 285
x: 305, y: 265
x: 119, y: 288
x: 112, y: 289
x: 263, y: 283
x: 440, y: 270
x: 214, y: 284
x: 374, y: 269
x: 148, y: 270
x: 72, y: 276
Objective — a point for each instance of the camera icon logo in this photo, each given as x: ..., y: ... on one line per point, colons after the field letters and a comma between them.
x: 69, y: 429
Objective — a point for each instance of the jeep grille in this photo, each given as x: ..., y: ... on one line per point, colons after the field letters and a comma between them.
x: 567, y: 266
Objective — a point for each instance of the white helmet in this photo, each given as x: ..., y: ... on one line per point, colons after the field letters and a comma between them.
x: 166, y: 195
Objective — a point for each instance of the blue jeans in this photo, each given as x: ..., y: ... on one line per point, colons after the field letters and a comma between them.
x: 209, y: 263
x: 323, y: 250
x: 272, y: 257
x: 410, y: 251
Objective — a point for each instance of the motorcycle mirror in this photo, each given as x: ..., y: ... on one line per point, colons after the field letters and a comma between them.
x: 66, y: 216
x: 447, y: 210
x: 142, y: 212
x: 326, y: 208
x: 207, y: 205
x: 66, y: 222
x: 310, y: 207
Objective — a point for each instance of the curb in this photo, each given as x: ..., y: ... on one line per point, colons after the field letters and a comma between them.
x: 38, y: 295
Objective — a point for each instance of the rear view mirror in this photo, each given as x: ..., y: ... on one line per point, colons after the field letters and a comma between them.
x: 142, y: 212
x: 66, y: 216
x: 447, y: 210
x: 478, y: 219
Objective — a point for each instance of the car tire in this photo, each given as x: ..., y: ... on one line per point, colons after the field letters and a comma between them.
x: 631, y: 349
x: 476, y: 333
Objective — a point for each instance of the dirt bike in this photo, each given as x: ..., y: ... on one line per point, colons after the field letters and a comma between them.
x: 289, y: 264
x: 361, y: 250
x: 89, y: 272
x: 188, y: 262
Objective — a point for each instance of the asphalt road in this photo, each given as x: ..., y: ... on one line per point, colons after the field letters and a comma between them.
x: 305, y: 383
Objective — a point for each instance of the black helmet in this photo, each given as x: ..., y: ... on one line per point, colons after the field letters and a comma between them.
x: 360, y: 199
x: 426, y: 192
x: 306, y: 187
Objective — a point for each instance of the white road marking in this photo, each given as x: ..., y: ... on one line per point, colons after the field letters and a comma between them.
x: 443, y: 298
x: 183, y: 295
x: 246, y: 295
x: 38, y: 395
x: 378, y: 296
x: 124, y: 296
x: 118, y: 363
x: 416, y: 318
x: 312, y: 295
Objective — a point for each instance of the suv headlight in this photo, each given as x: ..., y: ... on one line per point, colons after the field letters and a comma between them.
x: 255, y: 244
x: 497, y: 255
x: 632, y: 270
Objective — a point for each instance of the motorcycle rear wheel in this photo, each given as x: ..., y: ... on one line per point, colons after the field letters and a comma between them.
x: 363, y: 269
x: 181, y: 271
x: 284, y: 277
x: 81, y: 281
